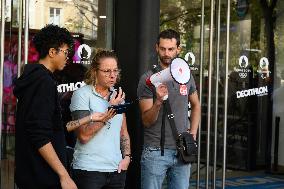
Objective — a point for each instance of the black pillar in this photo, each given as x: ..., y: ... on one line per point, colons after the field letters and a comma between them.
x: 135, y: 30
x: 148, y: 32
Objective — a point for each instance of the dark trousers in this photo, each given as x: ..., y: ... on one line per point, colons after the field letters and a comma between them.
x: 55, y: 187
x: 34, y: 186
x: 99, y: 180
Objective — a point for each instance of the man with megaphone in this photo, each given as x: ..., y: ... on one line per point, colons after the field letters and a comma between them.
x: 169, y: 82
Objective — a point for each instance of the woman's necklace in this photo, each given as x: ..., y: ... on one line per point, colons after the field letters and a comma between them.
x: 104, y: 94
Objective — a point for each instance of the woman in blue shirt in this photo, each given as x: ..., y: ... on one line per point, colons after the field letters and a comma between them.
x: 102, y: 151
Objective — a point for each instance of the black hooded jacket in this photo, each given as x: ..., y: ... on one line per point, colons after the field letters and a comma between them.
x: 38, y: 122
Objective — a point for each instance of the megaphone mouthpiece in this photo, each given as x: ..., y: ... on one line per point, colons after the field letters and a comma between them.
x: 148, y: 82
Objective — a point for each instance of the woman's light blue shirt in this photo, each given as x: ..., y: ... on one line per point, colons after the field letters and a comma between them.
x: 102, y: 153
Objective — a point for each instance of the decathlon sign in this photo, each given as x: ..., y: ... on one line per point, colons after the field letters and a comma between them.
x: 261, y: 91
x: 67, y: 87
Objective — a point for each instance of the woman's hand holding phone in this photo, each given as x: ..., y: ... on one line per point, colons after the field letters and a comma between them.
x: 103, y: 117
x: 117, y: 97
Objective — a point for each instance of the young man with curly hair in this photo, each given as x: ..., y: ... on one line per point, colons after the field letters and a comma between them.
x: 40, y: 142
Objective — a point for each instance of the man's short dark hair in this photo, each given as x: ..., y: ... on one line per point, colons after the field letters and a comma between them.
x: 169, y: 34
x: 51, y: 36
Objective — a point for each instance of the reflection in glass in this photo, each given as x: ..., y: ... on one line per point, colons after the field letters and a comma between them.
x: 90, y: 31
x: 54, y: 17
x: 256, y: 32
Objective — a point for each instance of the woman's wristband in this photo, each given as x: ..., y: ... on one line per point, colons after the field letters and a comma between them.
x: 91, y: 118
x: 92, y: 121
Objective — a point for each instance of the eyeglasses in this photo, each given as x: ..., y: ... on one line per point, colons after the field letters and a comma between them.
x: 66, y: 52
x: 109, y: 71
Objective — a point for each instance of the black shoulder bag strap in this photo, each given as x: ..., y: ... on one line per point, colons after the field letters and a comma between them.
x: 167, y: 110
x: 162, y: 141
x: 171, y: 117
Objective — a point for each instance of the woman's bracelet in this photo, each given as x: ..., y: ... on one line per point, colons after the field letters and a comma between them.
x: 92, y: 121
x: 91, y: 118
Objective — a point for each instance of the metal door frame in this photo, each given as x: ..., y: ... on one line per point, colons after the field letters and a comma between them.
x: 2, y: 50
x: 210, y: 66
x: 211, y: 47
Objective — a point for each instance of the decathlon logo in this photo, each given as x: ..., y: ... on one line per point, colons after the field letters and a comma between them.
x: 263, y: 68
x: 84, y: 51
x: 67, y: 87
x: 261, y: 91
x: 243, y: 64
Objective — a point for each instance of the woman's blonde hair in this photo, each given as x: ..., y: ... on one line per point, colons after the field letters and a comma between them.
x: 91, y: 74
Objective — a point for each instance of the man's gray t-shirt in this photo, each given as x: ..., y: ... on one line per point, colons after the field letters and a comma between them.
x: 178, y: 99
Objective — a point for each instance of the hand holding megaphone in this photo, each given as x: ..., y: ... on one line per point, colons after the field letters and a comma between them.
x: 178, y: 71
x: 162, y: 92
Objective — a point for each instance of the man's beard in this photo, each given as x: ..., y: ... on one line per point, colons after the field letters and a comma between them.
x: 166, y: 59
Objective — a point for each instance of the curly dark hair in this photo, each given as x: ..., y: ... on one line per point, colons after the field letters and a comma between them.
x: 169, y: 34
x: 52, y: 36
x: 91, y: 77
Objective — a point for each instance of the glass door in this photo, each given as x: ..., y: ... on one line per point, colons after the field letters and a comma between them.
x: 11, y: 18
x: 90, y: 23
x: 234, y: 50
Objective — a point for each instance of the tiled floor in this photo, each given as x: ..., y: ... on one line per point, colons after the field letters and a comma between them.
x: 236, y: 179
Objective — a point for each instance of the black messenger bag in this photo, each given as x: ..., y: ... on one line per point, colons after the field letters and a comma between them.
x: 187, y: 148
x: 186, y: 145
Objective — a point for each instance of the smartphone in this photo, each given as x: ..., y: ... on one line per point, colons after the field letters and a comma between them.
x: 116, y: 88
x: 121, y: 108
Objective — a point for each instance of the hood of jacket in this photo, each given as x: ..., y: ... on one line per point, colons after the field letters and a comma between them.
x: 33, y: 74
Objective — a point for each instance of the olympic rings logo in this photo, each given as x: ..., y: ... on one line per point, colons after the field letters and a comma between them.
x: 243, y: 75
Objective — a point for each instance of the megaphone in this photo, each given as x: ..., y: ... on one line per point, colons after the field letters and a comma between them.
x: 178, y: 71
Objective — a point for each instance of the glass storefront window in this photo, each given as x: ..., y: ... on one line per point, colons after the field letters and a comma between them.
x: 255, y: 80
x: 91, y: 24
